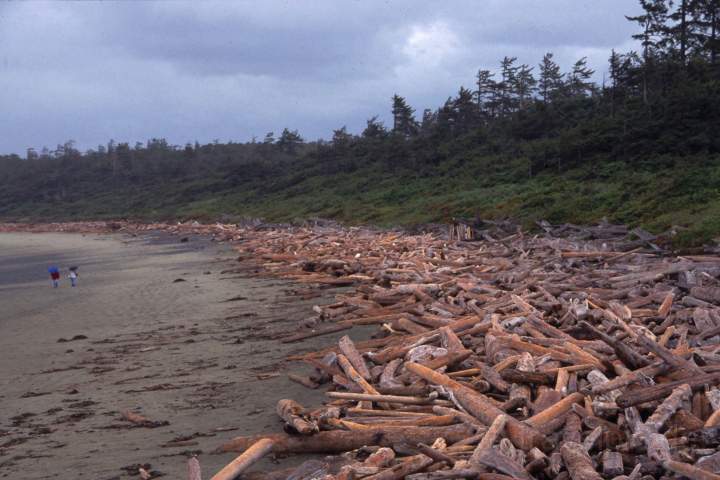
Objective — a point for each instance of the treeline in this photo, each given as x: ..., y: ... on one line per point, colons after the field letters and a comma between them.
x: 664, y: 99
x: 656, y: 107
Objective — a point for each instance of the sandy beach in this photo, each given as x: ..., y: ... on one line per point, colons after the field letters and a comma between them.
x: 155, y: 328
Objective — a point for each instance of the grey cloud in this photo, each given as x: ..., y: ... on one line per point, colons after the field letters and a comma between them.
x: 185, y: 70
x: 313, y: 45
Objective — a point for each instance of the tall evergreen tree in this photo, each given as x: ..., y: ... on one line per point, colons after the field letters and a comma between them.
x: 708, y: 20
x: 429, y: 122
x: 484, y: 94
x: 652, y: 36
x: 506, y: 87
x: 679, y: 31
x: 551, y: 80
x: 652, y: 23
x: 616, y: 75
x: 579, y: 82
x: 465, y: 110
x: 446, y: 121
x: 683, y: 34
x: 525, y: 84
x: 404, y: 123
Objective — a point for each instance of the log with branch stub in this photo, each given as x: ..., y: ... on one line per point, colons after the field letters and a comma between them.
x: 655, y: 392
x: 294, y: 415
x: 578, y: 462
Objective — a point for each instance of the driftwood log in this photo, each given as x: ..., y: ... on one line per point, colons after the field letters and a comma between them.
x: 194, y: 472
x: 337, y: 441
x: 244, y: 461
x: 294, y: 415
x: 578, y: 462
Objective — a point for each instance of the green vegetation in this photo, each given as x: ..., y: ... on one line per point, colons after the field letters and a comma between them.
x: 643, y: 149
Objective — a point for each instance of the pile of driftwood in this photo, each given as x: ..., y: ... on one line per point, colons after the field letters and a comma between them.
x: 513, y: 356
x: 584, y: 353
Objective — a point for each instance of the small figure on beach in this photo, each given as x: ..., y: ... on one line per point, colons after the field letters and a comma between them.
x: 54, y: 275
x: 73, y: 276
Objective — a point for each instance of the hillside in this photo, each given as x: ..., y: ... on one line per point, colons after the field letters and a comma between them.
x: 682, y: 193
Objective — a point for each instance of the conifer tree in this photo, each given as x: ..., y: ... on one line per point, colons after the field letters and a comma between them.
x: 551, y: 80
x: 289, y: 141
x: 615, y: 78
x: 404, y: 123
x: 506, y: 87
x: 464, y: 109
x: 684, y: 35
x: 681, y: 29
x: 652, y: 24
x: 374, y: 129
x: 708, y: 20
x: 525, y: 84
x: 579, y: 83
x: 484, y: 94
x: 652, y: 36
x: 429, y: 122
x: 341, y: 138
x: 446, y: 118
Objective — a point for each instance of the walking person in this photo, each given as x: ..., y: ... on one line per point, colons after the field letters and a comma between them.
x: 73, y: 276
x: 54, y: 276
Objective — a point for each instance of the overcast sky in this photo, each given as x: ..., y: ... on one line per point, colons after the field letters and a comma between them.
x: 201, y: 70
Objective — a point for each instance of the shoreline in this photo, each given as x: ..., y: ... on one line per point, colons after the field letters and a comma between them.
x: 200, y: 354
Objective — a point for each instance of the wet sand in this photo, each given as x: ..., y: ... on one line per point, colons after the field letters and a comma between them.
x: 131, y: 337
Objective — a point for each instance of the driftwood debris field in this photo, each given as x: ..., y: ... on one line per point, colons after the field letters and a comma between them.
x: 581, y: 353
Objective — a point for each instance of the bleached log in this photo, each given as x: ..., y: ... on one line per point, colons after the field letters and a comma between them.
x: 245, y: 460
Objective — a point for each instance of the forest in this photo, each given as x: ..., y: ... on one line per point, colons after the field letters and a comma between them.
x: 524, y: 141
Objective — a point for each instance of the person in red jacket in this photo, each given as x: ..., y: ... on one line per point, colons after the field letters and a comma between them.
x: 55, y: 277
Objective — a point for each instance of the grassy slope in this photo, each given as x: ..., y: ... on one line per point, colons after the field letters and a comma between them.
x: 686, y: 196
x: 656, y: 198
